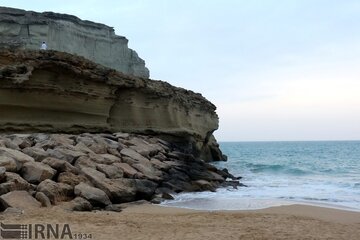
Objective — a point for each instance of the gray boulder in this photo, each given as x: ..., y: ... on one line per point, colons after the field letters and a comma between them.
x: 43, y: 199
x: 128, y: 152
x: 144, y: 148
x: 145, y: 189
x: 60, y: 165
x: 128, y: 171
x: 68, y: 155
x: 94, y: 195
x: 19, y: 157
x: 111, y: 171
x: 109, y: 158
x: 8, y: 163
x: 2, y: 174
x: 78, y: 204
x: 36, y: 172
x: 147, y: 169
x: 37, y: 153
x: 71, y: 178
x: 85, y: 161
x: 56, y: 192
x: 14, y: 182
x: 118, y: 190
x: 18, y: 199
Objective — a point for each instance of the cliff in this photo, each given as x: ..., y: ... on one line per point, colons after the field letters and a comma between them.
x: 66, y: 33
x: 94, y: 136
x: 50, y: 91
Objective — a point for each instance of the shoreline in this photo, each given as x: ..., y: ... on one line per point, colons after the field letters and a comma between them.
x: 316, y: 212
x: 150, y: 221
x: 247, y: 204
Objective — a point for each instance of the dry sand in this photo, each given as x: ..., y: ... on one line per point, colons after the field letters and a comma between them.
x: 156, y: 222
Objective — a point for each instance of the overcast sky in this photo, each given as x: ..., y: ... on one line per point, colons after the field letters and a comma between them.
x: 275, y: 69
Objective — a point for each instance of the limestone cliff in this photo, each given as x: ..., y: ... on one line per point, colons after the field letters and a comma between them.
x: 66, y: 33
x: 50, y: 91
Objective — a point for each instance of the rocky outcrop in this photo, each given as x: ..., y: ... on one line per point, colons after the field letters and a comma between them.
x: 66, y: 33
x: 121, y: 173
x: 50, y: 91
x: 91, y: 136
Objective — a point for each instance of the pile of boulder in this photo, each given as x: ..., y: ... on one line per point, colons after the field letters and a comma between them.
x: 98, y: 171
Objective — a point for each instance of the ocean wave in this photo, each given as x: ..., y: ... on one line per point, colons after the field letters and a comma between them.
x: 276, y: 168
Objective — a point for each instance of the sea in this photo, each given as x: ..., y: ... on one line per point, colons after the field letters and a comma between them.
x: 321, y: 173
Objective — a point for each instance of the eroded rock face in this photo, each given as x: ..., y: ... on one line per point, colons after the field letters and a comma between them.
x: 49, y: 91
x: 66, y: 33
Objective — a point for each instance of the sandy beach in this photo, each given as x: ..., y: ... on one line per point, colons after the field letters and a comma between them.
x: 156, y: 222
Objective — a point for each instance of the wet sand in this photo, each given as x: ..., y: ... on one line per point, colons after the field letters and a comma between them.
x: 156, y: 222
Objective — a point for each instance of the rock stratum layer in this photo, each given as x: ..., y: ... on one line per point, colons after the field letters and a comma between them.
x: 50, y: 91
x: 98, y: 171
x: 66, y: 33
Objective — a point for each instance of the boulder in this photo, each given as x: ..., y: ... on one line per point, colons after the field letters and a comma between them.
x: 60, y: 165
x: 145, y: 189
x: 111, y: 171
x: 128, y: 152
x: 71, y: 178
x: 145, y: 149
x: 81, y: 147
x: 53, y: 140
x: 14, y: 182
x: 8, y: 163
x: 56, y: 192
x: 43, y: 199
x: 18, y: 199
x: 121, y: 135
x: 93, y: 175
x: 8, y: 143
x: 179, y: 186
x: 94, y: 195
x: 114, y: 151
x: 147, y: 169
x: 108, y: 136
x: 110, y: 141
x: 118, y: 190
x: 65, y: 154
x: 2, y: 174
x: 109, y: 158
x: 96, y: 144
x: 160, y: 156
x: 85, y: 161
x: 37, y: 153
x: 178, y: 174
x: 36, y: 172
x: 159, y: 164
x: 25, y: 143
x: 77, y: 204
x: 19, y: 157
x: 204, y: 185
x: 199, y: 171
x: 129, y: 171
x: 164, y: 144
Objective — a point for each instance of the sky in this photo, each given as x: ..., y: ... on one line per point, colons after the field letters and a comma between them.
x: 277, y: 70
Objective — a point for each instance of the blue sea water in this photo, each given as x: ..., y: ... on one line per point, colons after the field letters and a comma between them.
x: 282, y: 173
